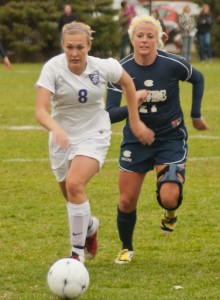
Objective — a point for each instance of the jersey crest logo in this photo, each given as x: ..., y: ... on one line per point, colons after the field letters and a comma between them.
x: 94, y: 77
x: 126, y: 156
x: 149, y: 83
x: 127, y: 153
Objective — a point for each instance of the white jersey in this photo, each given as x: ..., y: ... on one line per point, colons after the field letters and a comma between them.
x: 78, y: 101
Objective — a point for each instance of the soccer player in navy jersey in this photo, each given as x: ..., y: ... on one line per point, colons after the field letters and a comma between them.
x: 159, y: 73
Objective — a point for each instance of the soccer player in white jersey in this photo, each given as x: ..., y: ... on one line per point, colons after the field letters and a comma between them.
x: 74, y: 84
x: 159, y: 72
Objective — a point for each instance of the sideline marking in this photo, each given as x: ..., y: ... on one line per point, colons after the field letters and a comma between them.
x: 12, y: 160
x: 26, y: 127
x: 211, y: 137
x: 32, y: 127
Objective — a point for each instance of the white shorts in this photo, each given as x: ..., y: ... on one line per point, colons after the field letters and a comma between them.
x: 95, y: 147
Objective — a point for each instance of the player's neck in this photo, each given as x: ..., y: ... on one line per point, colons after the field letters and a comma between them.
x: 77, y: 70
x: 145, y: 60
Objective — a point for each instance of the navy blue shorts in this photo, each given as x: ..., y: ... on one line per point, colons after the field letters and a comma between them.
x: 135, y: 157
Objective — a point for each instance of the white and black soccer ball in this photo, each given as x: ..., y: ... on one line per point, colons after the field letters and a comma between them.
x: 68, y: 278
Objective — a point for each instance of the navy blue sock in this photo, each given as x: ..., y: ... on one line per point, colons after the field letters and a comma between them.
x: 126, y: 223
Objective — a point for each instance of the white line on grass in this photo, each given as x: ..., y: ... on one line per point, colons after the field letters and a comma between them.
x: 26, y: 127
x: 31, y: 127
x: 208, y: 137
x: 24, y: 160
x: 14, y: 160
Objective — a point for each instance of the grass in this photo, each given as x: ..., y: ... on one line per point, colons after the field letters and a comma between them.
x: 33, y: 220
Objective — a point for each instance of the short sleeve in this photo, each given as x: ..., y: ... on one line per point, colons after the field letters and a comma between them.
x: 114, y: 70
x: 47, y: 78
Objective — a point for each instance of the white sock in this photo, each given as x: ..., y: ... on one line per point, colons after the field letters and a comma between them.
x: 79, y: 216
x: 90, y: 224
x: 91, y: 230
x: 93, y: 226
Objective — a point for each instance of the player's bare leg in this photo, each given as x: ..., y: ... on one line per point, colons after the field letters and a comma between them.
x: 81, y: 223
x: 130, y: 187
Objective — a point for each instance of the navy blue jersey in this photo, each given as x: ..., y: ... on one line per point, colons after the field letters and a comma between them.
x: 2, y: 51
x: 162, y: 110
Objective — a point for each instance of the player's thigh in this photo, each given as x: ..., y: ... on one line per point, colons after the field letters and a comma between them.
x: 173, y: 151
x: 88, y: 157
x: 130, y: 184
x: 162, y: 167
x: 134, y: 157
x: 82, y: 169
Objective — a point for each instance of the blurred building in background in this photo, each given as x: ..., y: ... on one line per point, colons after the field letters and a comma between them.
x: 169, y: 12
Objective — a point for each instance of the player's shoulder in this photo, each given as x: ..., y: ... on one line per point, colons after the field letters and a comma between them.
x: 127, y: 60
x: 92, y: 60
x: 105, y: 66
x: 172, y: 58
x: 56, y: 61
x: 128, y: 63
x: 175, y: 63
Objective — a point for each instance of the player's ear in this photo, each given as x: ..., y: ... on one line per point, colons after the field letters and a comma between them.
x: 131, y: 40
x: 89, y: 46
x: 62, y: 44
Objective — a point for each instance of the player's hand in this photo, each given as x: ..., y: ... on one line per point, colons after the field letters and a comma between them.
x: 164, y: 37
x: 7, y: 62
x: 200, y: 124
x: 144, y: 134
x: 60, y: 137
x: 141, y: 96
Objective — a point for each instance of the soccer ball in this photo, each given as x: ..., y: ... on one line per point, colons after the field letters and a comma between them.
x: 68, y: 278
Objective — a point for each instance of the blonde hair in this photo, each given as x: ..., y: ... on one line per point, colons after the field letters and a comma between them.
x: 74, y: 27
x: 186, y: 9
x: 146, y: 19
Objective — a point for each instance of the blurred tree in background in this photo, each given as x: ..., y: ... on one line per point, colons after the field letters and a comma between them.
x: 29, y: 28
x: 100, y: 15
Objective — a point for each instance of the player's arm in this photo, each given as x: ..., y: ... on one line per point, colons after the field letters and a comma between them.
x: 197, y: 80
x: 5, y: 58
x: 117, y: 112
x: 43, y: 117
x: 6, y: 62
x: 144, y: 134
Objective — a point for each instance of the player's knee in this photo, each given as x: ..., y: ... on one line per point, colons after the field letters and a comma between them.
x: 74, y: 187
x: 126, y: 203
x: 169, y: 195
x: 170, y: 186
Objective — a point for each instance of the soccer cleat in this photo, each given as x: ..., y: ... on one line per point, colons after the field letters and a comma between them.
x: 77, y: 257
x: 91, y: 244
x: 168, y: 223
x: 124, y: 256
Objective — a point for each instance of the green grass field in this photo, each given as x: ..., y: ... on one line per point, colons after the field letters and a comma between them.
x: 33, y: 219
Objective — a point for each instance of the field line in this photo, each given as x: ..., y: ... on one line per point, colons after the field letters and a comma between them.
x: 32, y: 127
x: 18, y: 160
x: 208, y: 137
x: 25, y: 127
